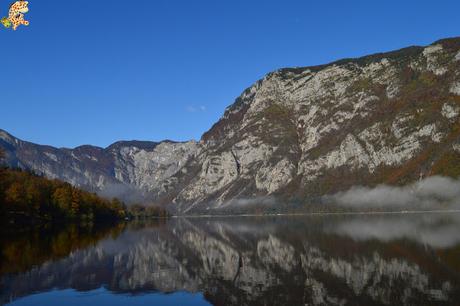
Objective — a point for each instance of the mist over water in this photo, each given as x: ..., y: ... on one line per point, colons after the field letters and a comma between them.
x: 431, y: 193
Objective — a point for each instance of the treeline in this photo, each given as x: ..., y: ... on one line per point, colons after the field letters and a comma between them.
x: 25, y: 196
x: 146, y: 212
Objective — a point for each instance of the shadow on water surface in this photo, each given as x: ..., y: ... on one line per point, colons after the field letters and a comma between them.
x: 315, y: 260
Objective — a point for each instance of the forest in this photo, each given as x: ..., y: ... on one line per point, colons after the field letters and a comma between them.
x: 26, y: 197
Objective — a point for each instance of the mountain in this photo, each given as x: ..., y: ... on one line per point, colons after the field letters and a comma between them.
x: 297, y: 134
x: 128, y: 169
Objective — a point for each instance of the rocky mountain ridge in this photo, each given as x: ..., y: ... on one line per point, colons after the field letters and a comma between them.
x: 125, y: 168
x: 297, y: 134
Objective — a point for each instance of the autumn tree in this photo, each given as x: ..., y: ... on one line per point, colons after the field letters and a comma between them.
x: 75, y: 202
x: 26, y: 195
x: 62, y: 197
x: 33, y: 194
x: 15, y: 195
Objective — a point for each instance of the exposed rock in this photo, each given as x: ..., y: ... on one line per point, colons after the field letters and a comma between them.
x: 432, y: 55
x: 457, y: 57
x: 297, y: 133
x: 449, y: 111
x: 143, y: 166
x: 455, y: 88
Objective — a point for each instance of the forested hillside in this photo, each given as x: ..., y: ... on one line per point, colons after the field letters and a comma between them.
x: 26, y: 197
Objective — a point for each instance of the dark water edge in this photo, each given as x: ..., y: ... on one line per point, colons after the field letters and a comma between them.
x: 335, y: 259
x: 102, y: 296
x: 31, y: 244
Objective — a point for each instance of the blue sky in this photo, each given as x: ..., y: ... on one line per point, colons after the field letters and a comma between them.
x: 93, y: 72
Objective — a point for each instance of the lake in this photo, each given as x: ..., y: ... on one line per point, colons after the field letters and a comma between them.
x: 355, y: 259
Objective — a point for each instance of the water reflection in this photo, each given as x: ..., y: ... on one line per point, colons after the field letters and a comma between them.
x: 22, y: 248
x: 317, y: 260
x: 436, y: 230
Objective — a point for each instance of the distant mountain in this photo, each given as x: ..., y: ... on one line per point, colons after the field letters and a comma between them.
x: 27, y: 199
x: 128, y: 169
x: 298, y: 133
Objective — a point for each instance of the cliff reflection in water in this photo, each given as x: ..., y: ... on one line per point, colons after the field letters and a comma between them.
x: 316, y: 260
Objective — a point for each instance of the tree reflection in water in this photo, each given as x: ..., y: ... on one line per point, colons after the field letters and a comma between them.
x: 315, y: 260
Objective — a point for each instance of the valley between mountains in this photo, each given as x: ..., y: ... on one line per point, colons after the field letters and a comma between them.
x: 292, y: 137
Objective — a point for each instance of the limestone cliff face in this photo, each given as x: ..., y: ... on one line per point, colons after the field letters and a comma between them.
x: 305, y: 132
x: 297, y: 133
x: 132, y: 165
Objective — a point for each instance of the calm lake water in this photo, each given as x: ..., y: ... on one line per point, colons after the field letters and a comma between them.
x: 391, y: 259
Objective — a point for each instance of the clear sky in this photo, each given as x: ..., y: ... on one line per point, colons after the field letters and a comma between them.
x: 94, y: 72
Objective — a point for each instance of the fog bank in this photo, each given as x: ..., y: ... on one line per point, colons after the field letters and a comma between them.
x: 126, y: 193
x: 434, y: 192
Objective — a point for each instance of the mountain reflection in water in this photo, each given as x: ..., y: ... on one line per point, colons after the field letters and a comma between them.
x: 410, y: 259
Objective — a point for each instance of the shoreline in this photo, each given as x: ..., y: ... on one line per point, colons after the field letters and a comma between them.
x: 403, y: 212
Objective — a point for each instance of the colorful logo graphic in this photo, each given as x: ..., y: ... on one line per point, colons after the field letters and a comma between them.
x: 16, y: 15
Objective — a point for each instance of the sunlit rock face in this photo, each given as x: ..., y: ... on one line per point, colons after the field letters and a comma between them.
x: 386, y: 118
x: 297, y: 133
x: 292, y: 261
